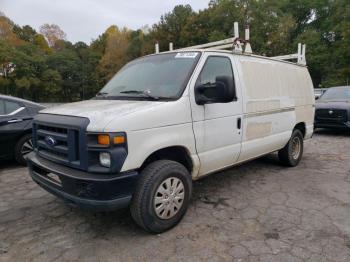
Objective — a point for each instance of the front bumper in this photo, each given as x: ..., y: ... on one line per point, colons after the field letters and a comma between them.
x: 99, y: 192
x: 332, y: 125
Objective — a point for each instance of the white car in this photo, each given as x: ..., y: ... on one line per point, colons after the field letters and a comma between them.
x: 165, y: 120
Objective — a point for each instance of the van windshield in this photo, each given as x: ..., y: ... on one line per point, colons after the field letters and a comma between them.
x: 155, y: 77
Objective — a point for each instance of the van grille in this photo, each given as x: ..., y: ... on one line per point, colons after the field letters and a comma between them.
x: 66, y: 146
x: 61, y: 139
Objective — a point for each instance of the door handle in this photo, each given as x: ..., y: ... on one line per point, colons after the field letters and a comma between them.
x: 15, y: 120
x: 239, y: 123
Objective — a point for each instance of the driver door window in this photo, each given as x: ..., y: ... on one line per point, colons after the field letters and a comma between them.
x: 215, y: 66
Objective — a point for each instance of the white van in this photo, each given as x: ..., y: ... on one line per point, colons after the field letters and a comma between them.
x: 165, y: 120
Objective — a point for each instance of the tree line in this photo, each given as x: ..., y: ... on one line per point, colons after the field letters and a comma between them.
x: 43, y: 66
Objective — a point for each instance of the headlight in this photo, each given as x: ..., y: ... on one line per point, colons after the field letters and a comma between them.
x: 105, y: 159
x: 107, y: 150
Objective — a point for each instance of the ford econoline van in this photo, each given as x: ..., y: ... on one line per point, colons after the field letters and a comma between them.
x: 165, y: 120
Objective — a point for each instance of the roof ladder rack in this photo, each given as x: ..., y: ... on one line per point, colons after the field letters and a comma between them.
x: 222, y: 44
x: 235, y: 43
x: 300, y: 56
x: 240, y: 45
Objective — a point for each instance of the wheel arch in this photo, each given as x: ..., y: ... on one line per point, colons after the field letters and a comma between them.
x: 179, y: 154
x: 302, y: 127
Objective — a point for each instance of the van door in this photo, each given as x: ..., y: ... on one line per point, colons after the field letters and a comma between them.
x: 217, y: 126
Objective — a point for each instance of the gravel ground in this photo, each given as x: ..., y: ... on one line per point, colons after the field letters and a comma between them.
x: 259, y: 211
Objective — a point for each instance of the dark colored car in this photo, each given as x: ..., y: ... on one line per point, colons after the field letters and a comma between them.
x: 333, y: 108
x: 16, y: 116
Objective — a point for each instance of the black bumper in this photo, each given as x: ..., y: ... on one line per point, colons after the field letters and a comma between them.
x: 332, y: 125
x: 99, y: 192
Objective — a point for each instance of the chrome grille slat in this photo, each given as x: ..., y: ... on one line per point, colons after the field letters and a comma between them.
x: 59, y: 136
x: 59, y: 148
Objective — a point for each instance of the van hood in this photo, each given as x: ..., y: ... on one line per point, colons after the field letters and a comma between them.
x: 331, y: 104
x: 107, y: 115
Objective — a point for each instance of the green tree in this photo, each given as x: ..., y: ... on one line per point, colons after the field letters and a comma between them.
x: 51, y: 82
x: 89, y: 60
x: 30, y: 63
x: 26, y: 33
x: 170, y: 27
x: 114, y: 56
x: 40, y: 41
x: 67, y: 63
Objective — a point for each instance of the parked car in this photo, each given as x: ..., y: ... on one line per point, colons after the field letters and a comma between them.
x: 333, y: 108
x: 165, y: 120
x: 16, y: 117
x: 318, y: 92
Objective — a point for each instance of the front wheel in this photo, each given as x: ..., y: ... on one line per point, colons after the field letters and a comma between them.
x: 162, y: 196
x: 23, y: 147
x: 291, y: 154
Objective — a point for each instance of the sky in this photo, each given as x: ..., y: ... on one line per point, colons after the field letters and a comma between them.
x: 84, y: 20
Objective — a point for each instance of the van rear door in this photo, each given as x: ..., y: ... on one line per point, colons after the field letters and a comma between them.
x: 218, y: 126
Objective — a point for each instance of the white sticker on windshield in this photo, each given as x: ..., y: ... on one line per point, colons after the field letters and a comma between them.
x: 186, y: 55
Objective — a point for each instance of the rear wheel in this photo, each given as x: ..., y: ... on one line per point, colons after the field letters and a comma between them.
x: 162, y: 196
x: 23, y: 147
x: 291, y: 154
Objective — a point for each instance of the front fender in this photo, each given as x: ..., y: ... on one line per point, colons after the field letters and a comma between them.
x: 143, y: 143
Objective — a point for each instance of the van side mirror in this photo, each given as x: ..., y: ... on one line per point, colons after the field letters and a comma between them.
x: 222, y: 91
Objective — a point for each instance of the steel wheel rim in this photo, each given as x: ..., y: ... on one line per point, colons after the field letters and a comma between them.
x: 296, y: 147
x: 27, y: 147
x: 169, y: 198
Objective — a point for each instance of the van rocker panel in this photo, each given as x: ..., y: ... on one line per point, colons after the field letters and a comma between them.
x: 99, y: 192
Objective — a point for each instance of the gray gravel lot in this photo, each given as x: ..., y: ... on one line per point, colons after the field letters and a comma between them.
x: 259, y: 211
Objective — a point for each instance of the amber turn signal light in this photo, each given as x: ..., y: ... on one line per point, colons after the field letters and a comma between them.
x: 103, y: 140
x: 119, y: 140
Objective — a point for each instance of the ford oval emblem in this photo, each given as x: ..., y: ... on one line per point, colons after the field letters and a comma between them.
x: 50, y: 141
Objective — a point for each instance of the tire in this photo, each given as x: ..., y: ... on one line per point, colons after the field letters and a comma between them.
x: 146, y: 209
x: 292, y: 153
x: 23, y: 147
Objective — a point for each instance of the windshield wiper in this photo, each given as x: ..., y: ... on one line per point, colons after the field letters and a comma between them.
x: 146, y: 93
x: 102, y: 94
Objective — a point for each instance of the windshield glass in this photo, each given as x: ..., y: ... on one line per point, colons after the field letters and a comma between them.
x: 154, y: 77
x: 339, y: 93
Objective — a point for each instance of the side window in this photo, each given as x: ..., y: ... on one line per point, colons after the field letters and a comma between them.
x: 215, y: 83
x: 215, y: 66
x: 11, y: 107
x: 2, y: 107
